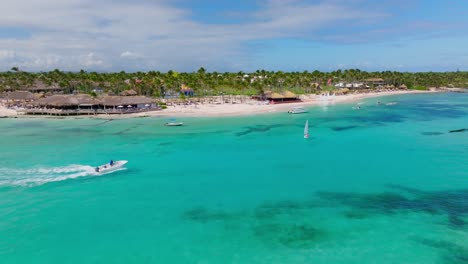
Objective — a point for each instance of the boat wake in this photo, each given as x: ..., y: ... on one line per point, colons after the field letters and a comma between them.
x: 39, y: 176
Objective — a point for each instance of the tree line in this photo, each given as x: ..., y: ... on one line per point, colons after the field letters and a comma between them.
x: 203, y: 83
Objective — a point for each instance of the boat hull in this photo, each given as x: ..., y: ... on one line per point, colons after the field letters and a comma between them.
x: 108, y: 168
x: 297, y: 111
x: 174, y: 124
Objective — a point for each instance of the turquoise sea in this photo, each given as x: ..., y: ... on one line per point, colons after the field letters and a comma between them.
x: 383, y: 184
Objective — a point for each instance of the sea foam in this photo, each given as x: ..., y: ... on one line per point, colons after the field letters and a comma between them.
x: 42, y: 175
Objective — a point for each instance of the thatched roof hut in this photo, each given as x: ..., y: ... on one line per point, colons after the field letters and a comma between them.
x: 274, y: 95
x: 403, y: 86
x: 40, y: 86
x: 130, y: 92
x: 289, y: 95
x: 67, y: 100
x: 342, y: 91
x: 285, y: 96
x: 19, y: 96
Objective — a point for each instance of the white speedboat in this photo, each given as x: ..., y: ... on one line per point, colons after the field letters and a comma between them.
x: 174, y: 124
x: 111, y: 166
x: 391, y: 103
x: 297, y: 110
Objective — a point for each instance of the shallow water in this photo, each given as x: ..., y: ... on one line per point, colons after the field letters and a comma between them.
x: 383, y: 184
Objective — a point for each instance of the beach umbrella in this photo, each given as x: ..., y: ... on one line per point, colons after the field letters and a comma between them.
x: 120, y: 106
x: 147, y: 105
x: 129, y: 106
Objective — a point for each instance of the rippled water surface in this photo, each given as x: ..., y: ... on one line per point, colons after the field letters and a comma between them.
x: 383, y: 184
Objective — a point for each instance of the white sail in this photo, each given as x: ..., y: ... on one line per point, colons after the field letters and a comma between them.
x: 306, y: 129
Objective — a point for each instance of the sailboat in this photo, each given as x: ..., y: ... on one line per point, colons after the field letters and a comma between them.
x: 306, y: 129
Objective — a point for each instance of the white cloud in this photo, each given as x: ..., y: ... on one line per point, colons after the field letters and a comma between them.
x: 6, y: 54
x: 90, y: 34
x: 92, y: 60
x: 130, y: 55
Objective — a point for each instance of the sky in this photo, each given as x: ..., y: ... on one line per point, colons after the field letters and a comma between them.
x: 242, y: 35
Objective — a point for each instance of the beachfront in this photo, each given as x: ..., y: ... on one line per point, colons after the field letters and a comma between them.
x: 246, y: 106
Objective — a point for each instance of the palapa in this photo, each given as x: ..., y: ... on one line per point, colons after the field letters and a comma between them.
x: 130, y: 92
x: 289, y: 95
x: 84, y: 99
x: 19, y: 96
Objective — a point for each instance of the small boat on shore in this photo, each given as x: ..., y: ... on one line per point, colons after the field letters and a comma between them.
x: 297, y: 110
x: 111, y: 166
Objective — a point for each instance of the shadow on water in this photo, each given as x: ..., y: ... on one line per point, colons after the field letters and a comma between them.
x: 431, y: 111
x: 379, y: 118
x: 27, y: 124
x: 406, y: 111
x: 272, y: 210
x: 432, y: 133
x: 453, y: 204
x: 125, y: 131
x: 450, y: 253
x: 343, y: 128
x: 296, y: 236
x: 459, y: 130
x: 262, y: 128
x: 77, y: 130
x: 273, y: 224
x: 103, y: 123
x: 204, y: 215
x: 290, y: 223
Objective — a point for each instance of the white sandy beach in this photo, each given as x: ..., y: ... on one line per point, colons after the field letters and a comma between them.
x: 250, y: 107
x: 253, y: 107
x: 5, y: 112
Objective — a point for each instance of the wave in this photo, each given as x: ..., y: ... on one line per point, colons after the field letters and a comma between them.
x: 42, y: 175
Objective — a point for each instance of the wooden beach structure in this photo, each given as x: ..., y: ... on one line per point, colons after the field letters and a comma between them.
x: 83, y: 104
x: 375, y: 82
x: 40, y: 87
x: 19, y: 96
x: 278, y: 98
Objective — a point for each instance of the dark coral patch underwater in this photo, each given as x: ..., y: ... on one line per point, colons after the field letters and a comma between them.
x: 453, y: 203
x: 298, y: 236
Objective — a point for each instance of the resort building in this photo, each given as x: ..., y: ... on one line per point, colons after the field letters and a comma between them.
x: 351, y: 85
x: 186, y: 91
x: 83, y: 104
x: 375, y: 82
x: 18, y: 96
x: 276, y: 98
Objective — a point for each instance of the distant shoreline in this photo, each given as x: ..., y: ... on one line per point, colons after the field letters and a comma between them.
x: 220, y: 110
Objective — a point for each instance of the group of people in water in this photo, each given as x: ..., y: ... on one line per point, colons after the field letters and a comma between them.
x: 111, y: 163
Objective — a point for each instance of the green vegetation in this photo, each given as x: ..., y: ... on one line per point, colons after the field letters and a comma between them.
x: 419, y: 87
x: 157, y: 84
